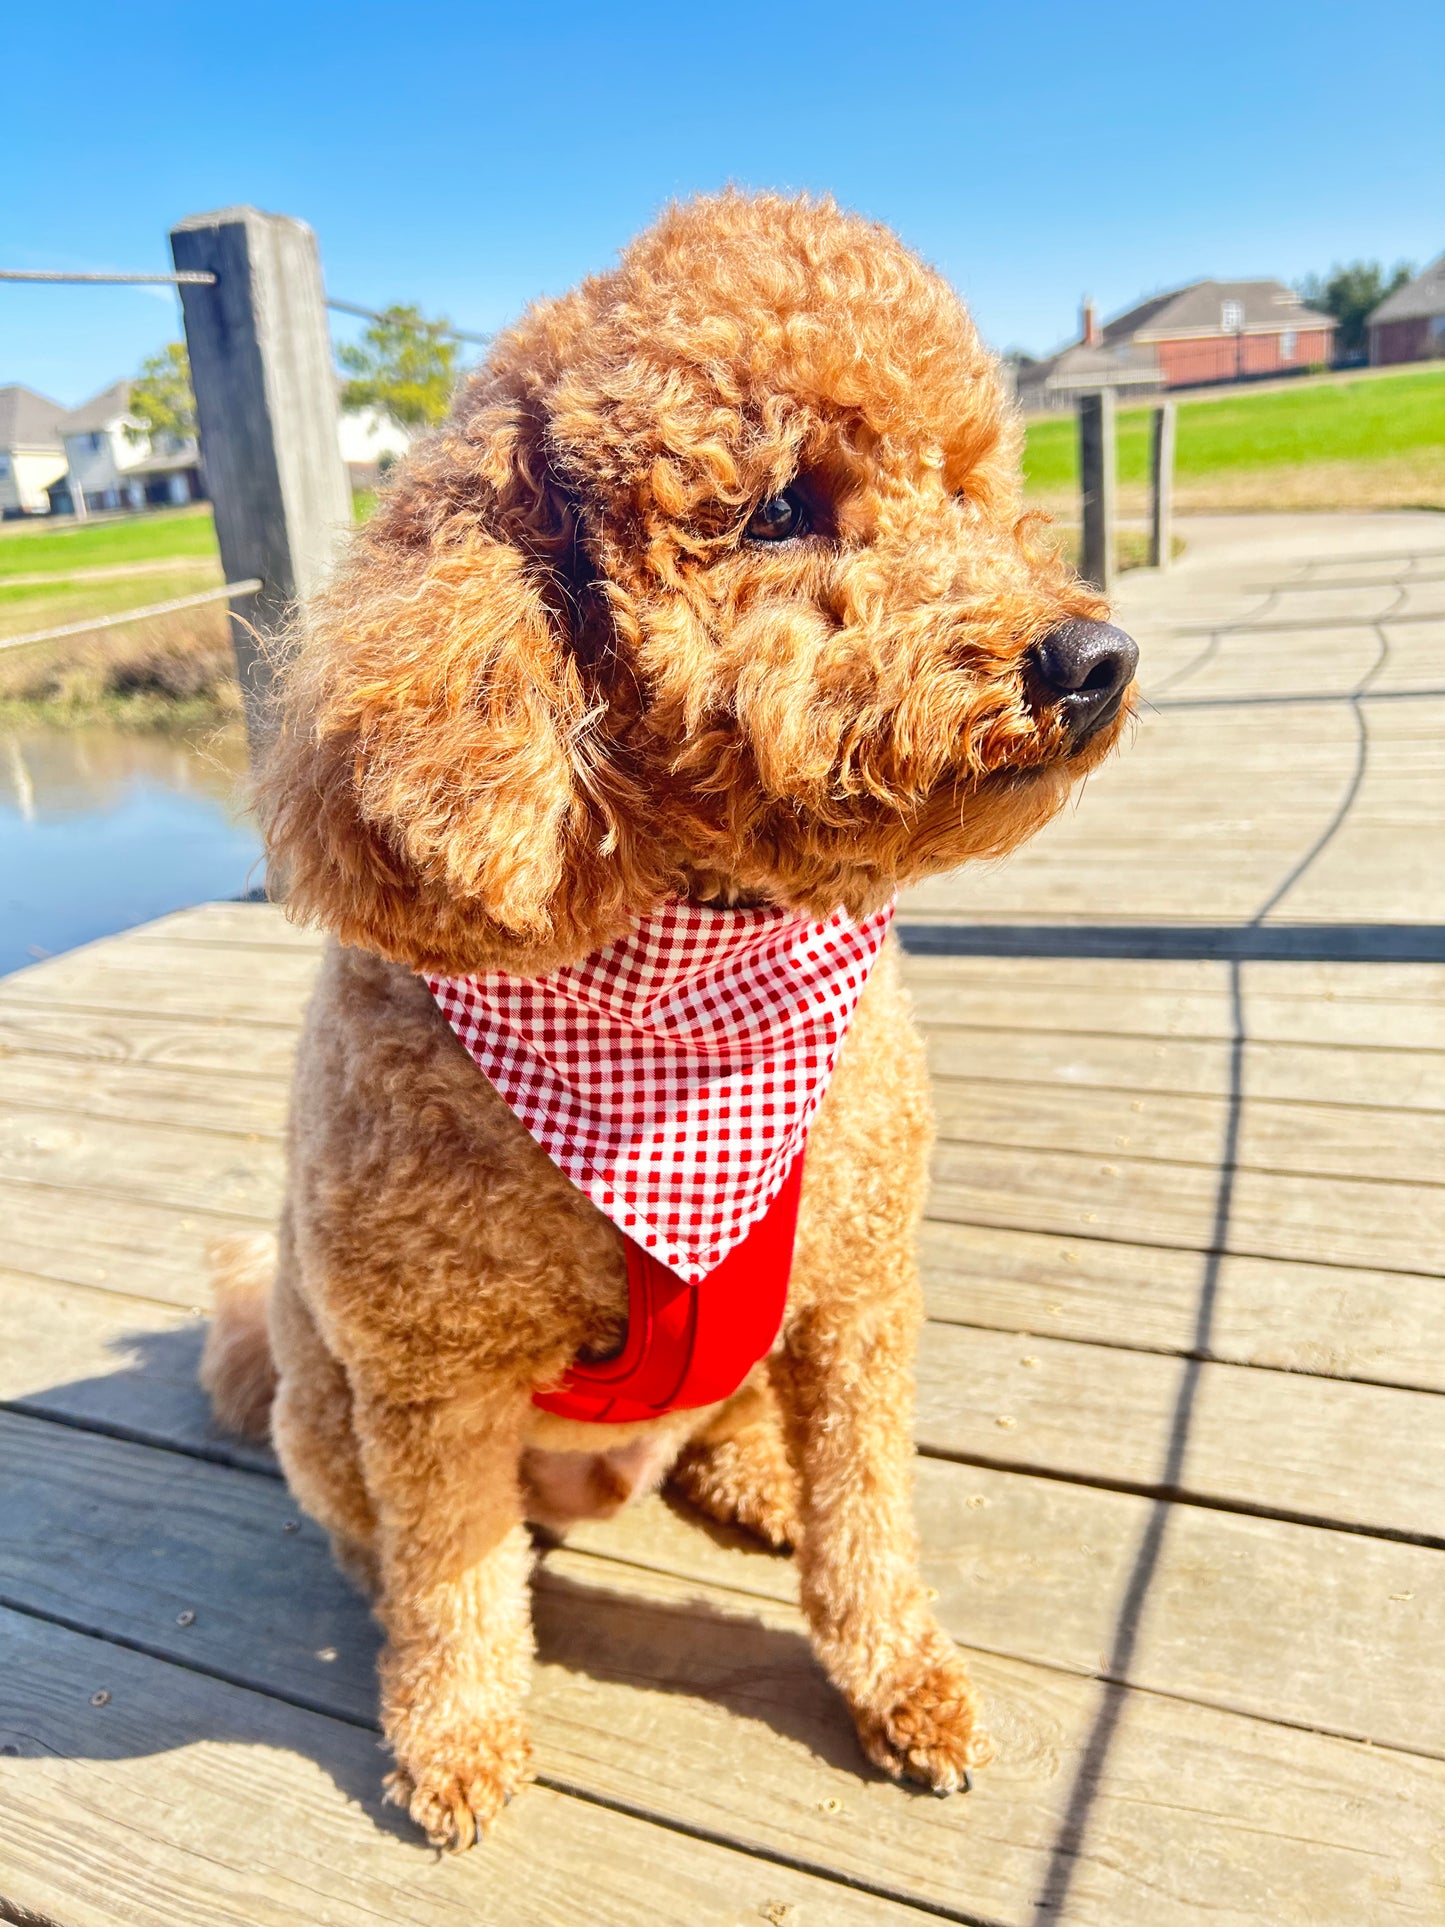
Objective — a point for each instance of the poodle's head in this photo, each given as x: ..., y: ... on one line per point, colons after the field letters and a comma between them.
x: 716, y: 582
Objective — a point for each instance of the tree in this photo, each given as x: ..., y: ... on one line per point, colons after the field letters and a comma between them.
x: 161, y: 398
x: 404, y: 365
x: 1349, y: 295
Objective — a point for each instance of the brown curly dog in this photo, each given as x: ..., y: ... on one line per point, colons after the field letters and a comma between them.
x: 715, y: 584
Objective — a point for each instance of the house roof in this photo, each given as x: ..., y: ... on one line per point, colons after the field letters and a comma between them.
x: 1114, y: 364
x: 1198, y: 310
x: 99, y: 412
x: 1083, y: 368
x: 167, y: 461
x: 28, y: 420
x: 1425, y: 295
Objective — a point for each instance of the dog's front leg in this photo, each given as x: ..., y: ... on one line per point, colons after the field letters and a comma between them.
x: 846, y: 1383
x: 454, y: 1558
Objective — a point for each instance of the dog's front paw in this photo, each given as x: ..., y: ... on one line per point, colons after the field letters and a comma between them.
x: 923, y: 1725
x: 455, y: 1790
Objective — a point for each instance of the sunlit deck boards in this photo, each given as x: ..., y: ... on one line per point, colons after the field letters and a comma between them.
x: 1182, y: 1473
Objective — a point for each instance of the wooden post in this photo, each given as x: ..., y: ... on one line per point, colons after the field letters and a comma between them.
x: 1161, y: 487
x: 1097, y: 478
x: 265, y: 389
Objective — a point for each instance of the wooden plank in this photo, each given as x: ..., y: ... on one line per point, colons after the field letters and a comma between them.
x: 126, y: 975
x: 115, y: 1243
x: 1315, y: 1449
x: 1342, y: 1632
x: 1303, y: 1073
x: 248, y: 1106
x: 1363, y: 1223
x: 143, y: 1093
x: 117, y: 1365
x: 1161, y: 487
x: 1133, y: 1008
x: 1029, y: 1568
x: 1321, y: 1139
x: 1332, y: 1320
x: 1122, y: 1196
x: 234, y: 1176
x: 1198, y: 878
x: 265, y: 1050
x: 1414, y: 984
x: 1308, y: 1447
x: 184, y: 1800
x: 1193, y: 819
x: 267, y: 409
x: 1263, y: 659
x: 1416, y: 662
x: 1384, y: 860
x: 252, y: 925
x: 1098, y: 480
x: 703, y: 1706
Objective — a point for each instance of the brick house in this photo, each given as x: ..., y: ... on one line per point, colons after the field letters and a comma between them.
x: 1409, y: 325
x: 1083, y: 369
x: 1224, y: 331
x: 1210, y: 331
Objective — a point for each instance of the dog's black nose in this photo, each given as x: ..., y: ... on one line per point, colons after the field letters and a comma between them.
x: 1087, y: 667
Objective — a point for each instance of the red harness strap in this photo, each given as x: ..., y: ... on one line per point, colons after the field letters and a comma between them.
x: 689, y: 1345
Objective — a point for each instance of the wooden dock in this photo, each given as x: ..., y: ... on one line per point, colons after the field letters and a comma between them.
x: 1182, y: 1440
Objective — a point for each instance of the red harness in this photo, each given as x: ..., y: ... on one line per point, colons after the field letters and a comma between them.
x: 689, y: 1345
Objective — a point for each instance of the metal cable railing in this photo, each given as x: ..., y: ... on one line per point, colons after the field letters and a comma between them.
x: 195, y: 278
x: 248, y: 587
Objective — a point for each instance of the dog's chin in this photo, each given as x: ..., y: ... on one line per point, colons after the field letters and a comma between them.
x: 861, y: 869
x: 714, y: 890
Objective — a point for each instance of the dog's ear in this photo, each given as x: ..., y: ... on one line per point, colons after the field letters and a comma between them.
x: 434, y: 792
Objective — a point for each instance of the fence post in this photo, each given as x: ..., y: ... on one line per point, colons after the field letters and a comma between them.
x: 1161, y: 487
x: 1097, y: 481
x: 265, y: 389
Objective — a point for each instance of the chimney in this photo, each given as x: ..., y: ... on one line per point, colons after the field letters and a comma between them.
x: 1088, y: 324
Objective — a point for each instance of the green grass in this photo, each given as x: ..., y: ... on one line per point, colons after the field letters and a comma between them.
x: 45, y: 605
x: 1360, y: 423
x: 158, y: 536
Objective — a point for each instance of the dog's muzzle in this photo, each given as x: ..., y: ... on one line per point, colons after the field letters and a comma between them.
x: 1086, y: 668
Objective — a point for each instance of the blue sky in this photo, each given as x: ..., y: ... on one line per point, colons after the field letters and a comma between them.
x: 472, y: 156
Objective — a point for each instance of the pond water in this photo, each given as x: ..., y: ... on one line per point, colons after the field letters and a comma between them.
x: 103, y: 828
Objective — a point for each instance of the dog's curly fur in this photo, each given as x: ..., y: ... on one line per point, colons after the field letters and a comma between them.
x: 553, y: 683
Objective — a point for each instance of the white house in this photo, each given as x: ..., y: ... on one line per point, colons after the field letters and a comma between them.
x: 31, y: 454
x: 103, y: 451
x: 117, y: 464
x: 370, y: 442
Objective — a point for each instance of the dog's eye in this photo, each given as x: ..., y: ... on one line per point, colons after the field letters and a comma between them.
x: 777, y: 518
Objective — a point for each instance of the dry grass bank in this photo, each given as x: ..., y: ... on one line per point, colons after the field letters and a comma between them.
x: 171, y: 673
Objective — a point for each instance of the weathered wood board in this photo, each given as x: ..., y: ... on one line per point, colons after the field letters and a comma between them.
x: 1338, y: 1321
x: 757, y: 1748
x: 184, y: 1799
x: 112, y: 1534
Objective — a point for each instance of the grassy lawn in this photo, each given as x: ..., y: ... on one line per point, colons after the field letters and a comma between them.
x: 1370, y: 442
x: 173, y: 672
x: 36, y: 548
x: 45, y: 605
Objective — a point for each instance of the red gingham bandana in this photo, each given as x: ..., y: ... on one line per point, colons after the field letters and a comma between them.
x: 673, y: 1075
